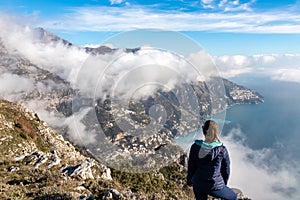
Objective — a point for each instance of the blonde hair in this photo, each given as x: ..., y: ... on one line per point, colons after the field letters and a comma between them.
x: 210, y: 131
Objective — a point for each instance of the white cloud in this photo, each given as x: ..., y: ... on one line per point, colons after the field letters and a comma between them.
x: 227, y: 5
x: 259, y: 173
x: 112, y: 2
x: 207, y: 3
x: 55, y: 57
x: 78, y: 132
x: 140, y: 73
x: 12, y: 85
x: 290, y: 75
x: 133, y: 17
x: 278, y: 67
x: 67, y: 61
x: 230, y: 66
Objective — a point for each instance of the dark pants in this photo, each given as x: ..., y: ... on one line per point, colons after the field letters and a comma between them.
x: 226, y: 193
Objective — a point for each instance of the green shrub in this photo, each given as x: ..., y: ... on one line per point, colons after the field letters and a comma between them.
x: 23, y: 135
x: 18, y: 125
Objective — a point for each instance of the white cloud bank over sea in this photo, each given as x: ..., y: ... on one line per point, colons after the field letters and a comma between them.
x: 277, y: 67
x: 260, y: 173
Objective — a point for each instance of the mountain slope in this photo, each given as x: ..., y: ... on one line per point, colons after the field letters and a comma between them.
x: 37, y: 163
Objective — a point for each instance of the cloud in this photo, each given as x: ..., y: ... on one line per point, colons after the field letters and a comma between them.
x: 230, y: 66
x: 12, y: 85
x: 138, y: 17
x: 278, y: 67
x: 259, y: 173
x: 25, y: 63
x: 78, y: 132
x: 227, y: 5
x: 207, y: 3
x: 290, y: 75
x: 134, y: 75
x: 57, y: 58
x: 112, y: 2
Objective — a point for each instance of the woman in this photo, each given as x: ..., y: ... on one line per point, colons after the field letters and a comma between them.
x: 208, y: 166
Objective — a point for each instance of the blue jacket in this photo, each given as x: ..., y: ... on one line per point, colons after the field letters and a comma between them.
x: 208, y: 165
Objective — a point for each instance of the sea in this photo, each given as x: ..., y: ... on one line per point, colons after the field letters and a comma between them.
x: 273, y: 124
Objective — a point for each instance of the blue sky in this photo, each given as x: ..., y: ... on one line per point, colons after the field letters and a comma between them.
x: 220, y: 26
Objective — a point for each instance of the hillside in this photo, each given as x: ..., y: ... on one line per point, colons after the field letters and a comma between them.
x: 37, y: 163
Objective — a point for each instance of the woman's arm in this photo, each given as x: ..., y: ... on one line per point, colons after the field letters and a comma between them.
x: 191, y: 165
x: 225, y: 167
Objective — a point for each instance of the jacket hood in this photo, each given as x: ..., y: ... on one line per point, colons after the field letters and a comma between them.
x: 207, y: 145
x: 208, y: 150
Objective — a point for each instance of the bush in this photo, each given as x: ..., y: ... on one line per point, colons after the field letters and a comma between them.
x: 18, y: 125
x: 23, y: 135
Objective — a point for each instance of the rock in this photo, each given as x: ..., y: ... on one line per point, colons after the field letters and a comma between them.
x: 13, y: 168
x: 86, y: 197
x: 32, y: 159
x: 123, y: 194
x: 159, y: 175
x: 128, y: 194
x: 82, y: 170
x: 19, y: 157
x: 106, y: 173
x: 239, y: 193
x: 55, y: 160
x: 43, y: 158
x: 80, y: 188
x: 112, y: 194
x: 82, y: 196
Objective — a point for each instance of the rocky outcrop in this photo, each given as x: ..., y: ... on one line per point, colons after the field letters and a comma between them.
x: 114, y: 194
x: 43, y: 159
x: 84, y: 170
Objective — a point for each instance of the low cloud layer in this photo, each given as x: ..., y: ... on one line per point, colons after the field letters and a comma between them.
x: 277, y: 67
x: 14, y: 84
x: 285, y: 74
x: 260, y: 173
